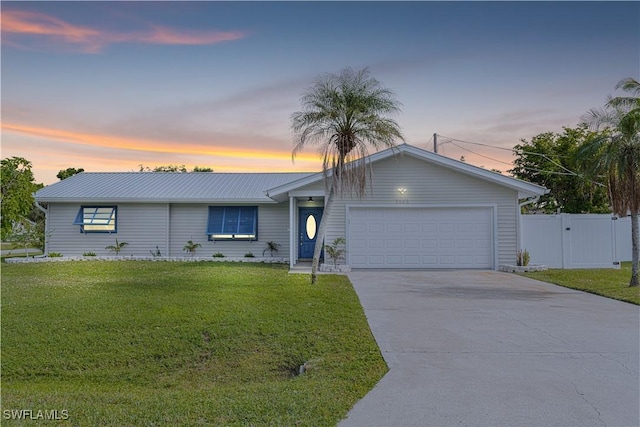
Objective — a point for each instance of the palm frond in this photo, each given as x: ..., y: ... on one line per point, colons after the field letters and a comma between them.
x: 616, y: 154
x: 343, y: 115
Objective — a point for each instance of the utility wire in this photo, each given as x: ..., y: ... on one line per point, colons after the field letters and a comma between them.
x: 478, y: 154
x: 567, y: 172
x: 570, y: 172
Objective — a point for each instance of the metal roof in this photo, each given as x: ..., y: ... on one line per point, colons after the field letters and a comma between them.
x: 206, y: 187
x: 88, y: 187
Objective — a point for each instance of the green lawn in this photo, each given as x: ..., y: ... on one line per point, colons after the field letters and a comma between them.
x: 162, y: 343
x: 606, y: 282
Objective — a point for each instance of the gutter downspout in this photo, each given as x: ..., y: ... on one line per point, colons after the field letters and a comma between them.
x: 520, y: 205
x: 45, y: 211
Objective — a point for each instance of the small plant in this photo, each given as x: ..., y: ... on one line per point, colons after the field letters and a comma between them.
x: 334, y: 250
x: 191, y: 247
x: 523, y: 258
x: 156, y: 253
x: 89, y: 253
x: 249, y: 255
x: 271, y: 247
x: 28, y: 235
x: 117, y: 247
x: 218, y: 255
x: 54, y: 254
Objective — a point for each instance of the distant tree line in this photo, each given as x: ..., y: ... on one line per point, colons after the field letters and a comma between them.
x: 173, y: 168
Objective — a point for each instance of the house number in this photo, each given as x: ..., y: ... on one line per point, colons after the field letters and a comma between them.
x: 402, y: 202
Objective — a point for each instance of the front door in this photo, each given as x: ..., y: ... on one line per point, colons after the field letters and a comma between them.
x: 308, y: 225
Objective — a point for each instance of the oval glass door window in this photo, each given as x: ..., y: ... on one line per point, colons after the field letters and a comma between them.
x: 311, y: 227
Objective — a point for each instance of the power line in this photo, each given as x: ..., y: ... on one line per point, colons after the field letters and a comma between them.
x: 570, y: 172
x: 481, y: 155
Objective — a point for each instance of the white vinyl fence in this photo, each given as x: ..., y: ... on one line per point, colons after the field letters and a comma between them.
x: 577, y: 240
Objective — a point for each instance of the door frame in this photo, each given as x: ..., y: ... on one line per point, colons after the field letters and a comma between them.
x: 301, y: 229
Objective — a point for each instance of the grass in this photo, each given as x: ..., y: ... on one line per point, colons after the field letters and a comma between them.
x: 157, y: 343
x: 609, y: 283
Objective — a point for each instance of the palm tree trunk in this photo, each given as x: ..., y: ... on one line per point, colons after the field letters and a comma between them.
x: 635, y: 248
x: 321, y: 232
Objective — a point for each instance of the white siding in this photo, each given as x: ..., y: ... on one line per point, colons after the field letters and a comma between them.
x: 142, y: 226
x: 427, y: 184
x: 189, y: 222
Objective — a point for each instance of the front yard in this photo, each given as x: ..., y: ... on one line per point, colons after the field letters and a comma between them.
x: 605, y: 282
x: 161, y: 343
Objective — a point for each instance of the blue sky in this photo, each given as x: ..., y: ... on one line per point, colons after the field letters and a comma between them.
x: 108, y: 86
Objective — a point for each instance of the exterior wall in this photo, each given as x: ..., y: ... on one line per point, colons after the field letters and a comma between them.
x: 142, y: 226
x: 428, y: 184
x: 189, y: 222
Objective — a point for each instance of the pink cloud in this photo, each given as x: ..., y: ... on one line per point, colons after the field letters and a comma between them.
x: 49, y: 29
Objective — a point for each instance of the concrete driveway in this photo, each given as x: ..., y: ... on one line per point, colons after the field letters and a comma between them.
x: 483, y: 348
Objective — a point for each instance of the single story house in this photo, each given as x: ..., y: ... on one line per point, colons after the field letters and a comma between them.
x: 422, y: 210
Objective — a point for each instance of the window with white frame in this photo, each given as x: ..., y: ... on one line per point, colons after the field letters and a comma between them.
x: 97, y: 219
x: 233, y: 223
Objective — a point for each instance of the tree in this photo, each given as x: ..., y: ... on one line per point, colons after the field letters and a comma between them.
x: 616, y: 157
x: 173, y: 168
x: 18, y: 187
x: 164, y: 168
x: 66, y: 173
x: 201, y: 169
x: 343, y: 114
x: 550, y: 160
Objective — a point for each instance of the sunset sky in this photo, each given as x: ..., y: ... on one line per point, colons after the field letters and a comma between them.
x: 108, y: 86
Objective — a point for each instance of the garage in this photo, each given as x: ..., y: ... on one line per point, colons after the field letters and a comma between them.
x: 421, y: 237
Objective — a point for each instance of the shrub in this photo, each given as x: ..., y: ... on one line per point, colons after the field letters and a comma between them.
x: 249, y: 255
x: 271, y: 247
x: 334, y: 251
x: 523, y: 258
x: 156, y: 253
x: 89, y: 253
x: 218, y: 255
x: 54, y: 254
x: 191, y: 247
x: 117, y: 247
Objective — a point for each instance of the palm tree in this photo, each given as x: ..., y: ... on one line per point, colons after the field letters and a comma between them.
x: 616, y: 155
x: 343, y: 114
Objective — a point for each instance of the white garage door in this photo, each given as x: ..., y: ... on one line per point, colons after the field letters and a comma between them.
x: 421, y: 237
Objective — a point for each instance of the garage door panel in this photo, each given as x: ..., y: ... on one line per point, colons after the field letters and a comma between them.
x: 430, y: 260
x: 445, y: 244
x: 429, y: 244
x: 429, y: 227
x: 421, y: 237
x: 376, y: 244
x: 375, y: 259
x: 413, y: 227
x: 375, y: 227
x: 412, y: 244
x: 394, y: 260
x: 413, y: 260
x: 358, y: 259
x: 447, y: 260
x: 359, y: 243
x: 394, y: 244
x: 446, y: 228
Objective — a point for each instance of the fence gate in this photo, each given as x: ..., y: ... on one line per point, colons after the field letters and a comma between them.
x: 577, y: 240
